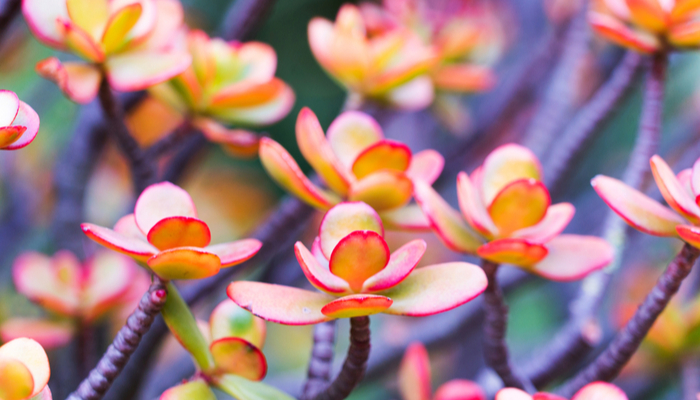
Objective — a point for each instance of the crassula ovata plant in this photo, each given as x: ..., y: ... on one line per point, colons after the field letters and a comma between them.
x: 592, y: 391
x: 24, y: 371
x: 19, y: 123
x: 357, y: 163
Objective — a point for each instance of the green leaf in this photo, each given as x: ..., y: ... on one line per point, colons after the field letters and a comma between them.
x: 243, y: 389
x: 194, y: 390
x: 179, y: 318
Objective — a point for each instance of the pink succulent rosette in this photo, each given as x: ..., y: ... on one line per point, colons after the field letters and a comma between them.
x: 133, y: 43
x: 681, y: 192
x: 351, y: 265
x: 230, y: 83
x: 415, y: 382
x: 77, y: 293
x: 19, y: 123
x: 507, y: 217
x: 165, y: 234
x: 356, y: 163
x: 592, y: 391
x: 24, y: 371
x: 389, y: 67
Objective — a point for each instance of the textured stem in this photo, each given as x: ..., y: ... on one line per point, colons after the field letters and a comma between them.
x: 125, y: 343
x: 589, y: 119
x: 355, y: 362
x: 321, y: 362
x: 9, y: 9
x: 609, y: 364
x: 495, y: 326
x: 143, y: 171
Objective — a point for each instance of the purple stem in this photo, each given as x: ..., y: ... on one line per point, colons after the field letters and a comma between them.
x: 321, y: 362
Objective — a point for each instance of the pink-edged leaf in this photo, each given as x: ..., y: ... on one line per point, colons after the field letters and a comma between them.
x: 53, y: 283
x: 358, y: 256
x: 177, y: 231
x: 237, y: 142
x: 32, y: 355
x: 78, y: 81
x: 600, y: 390
x: 546, y: 396
x: 557, y: 218
x: 43, y: 395
x: 383, y: 190
x: 160, y: 201
x: 356, y: 305
x: 89, y: 15
x: 672, y: 190
x: 234, y: 253
x: 426, y: 166
x: 343, y: 219
x: 281, y: 304
x: 286, y: 172
x: 129, y: 245
x: 400, y: 265
x: 506, y: 164
x: 350, y: 133
x: 138, y: 70
x: 406, y: 218
x: 513, y: 251
x: 230, y: 320
x: 27, y: 119
x: 414, y: 95
x: 321, y: 278
x: 117, y: 28
x: 460, y: 389
x: 472, y: 206
x: 382, y: 155
x: 636, y: 208
x: 126, y: 225
x: 447, y: 223
x: 414, y: 373
x: 695, y: 180
x: 436, y: 288
x: 685, y: 178
x: 9, y: 135
x: 16, y: 381
x: 690, y: 234
x: 617, y: 32
x: 9, y: 106
x: 512, y: 394
x: 184, y: 263
x: 80, y: 42
x: 197, y: 389
x: 247, y: 94
x: 237, y: 356
x: 266, y: 113
x: 42, y: 17
x: 106, y: 283
x: 572, y: 257
x: 318, y: 253
x: 318, y: 152
x: 49, y: 334
x: 520, y: 204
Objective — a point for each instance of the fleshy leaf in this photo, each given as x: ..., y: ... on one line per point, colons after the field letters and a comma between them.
x: 234, y: 253
x: 237, y: 142
x: 460, y: 389
x: 446, y: 221
x: 436, y: 288
x: 89, y: 15
x: 413, y: 95
x: 54, y: 283
x: 129, y: 245
x: 472, y: 206
x: 600, y: 390
x: 343, y: 219
x: 358, y: 256
x: 673, y: 191
x: 281, y: 304
x: 42, y: 20
x: 109, y: 278
x: 512, y: 394
x: 690, y: 234
x: 406, y: 218
x: 237, y: 356
x: 350, y: 133
x: 230, y: 320
x: 356, y: 305
x: 29, y: 119
x: 9, y: 106
x: 318, y: 152
x: 426, y: 166
x: 321, y: 278
x: 512, y: 251
x: 79, y: 81
x: 506, y: 164
x: 244, y: 389
x: 9, y: 135
x: 192, y: 390
x: 414, y: 373
x: 160, y: 201
x: 286, y: 172
x: 520, y: 204
x: 33, y: 356
x: 557, y: 218
x: 636, y: 208
x: 49, y: 334
x: 400, y: 265
x: 572, y: 257
x: 263, y: 114
x: 617, y: 32
x: 138, y: 70
x: 385, y: 154
x: 695, y: 179
x: 119, y: 25
x: 177, y: 231
x: 383, y: 190
x: 184, y: 263
x: 464, y: 78
x: 16, y: 381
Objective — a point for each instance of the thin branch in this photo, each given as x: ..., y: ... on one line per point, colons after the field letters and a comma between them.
x: 355, y: 362
x: 321, y: 362
x: 143, y: 171
x: 609, y: 364
x: 495, y: 326
x: 245, y: 17
x: 9, y: 9
x: 590, y: 118
x: 125, y: 343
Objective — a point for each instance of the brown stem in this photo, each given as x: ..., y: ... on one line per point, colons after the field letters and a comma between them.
x: 125, y: 343
x: 355, y: 362
x: 321, y: 362
x: 608, y: 364
x: 495, y: 326
x: 143, y: 171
